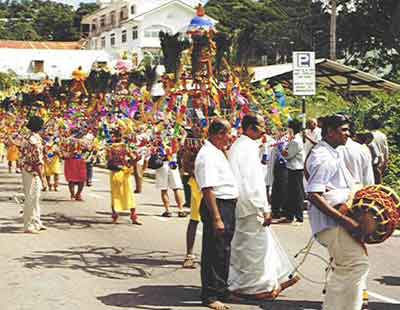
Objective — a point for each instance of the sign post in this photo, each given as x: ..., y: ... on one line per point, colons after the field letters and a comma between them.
x: 304, y: 79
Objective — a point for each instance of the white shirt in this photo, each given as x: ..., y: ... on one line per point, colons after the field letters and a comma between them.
x: 328, y: 175
x: 248, y: 171
x: 357, y: 159
x: 295, y: 157
x: 315, y: 135
x: 380, y: 141
x: 268, y: 168
x: 212, y: 169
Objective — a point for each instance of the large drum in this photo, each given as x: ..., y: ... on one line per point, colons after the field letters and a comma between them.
x: 377, y: 209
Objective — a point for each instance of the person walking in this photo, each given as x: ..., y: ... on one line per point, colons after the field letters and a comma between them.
x: 329, y: 188
x: 260, y: 268
x: 294, y: 155
x: 32, y: 175
x: 168, y: 176
x: 220, y: 192
x: 189, y: 152
x: 120, y: 160
x: 381, y: 144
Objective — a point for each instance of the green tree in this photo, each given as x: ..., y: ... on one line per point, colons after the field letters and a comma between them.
x: 248, y: 22
x: 7, y: 80
x: 41, y: 20
x: 21, y: 30
x: 269, y: 27
x: 55, y: 21
x: 374, y: 40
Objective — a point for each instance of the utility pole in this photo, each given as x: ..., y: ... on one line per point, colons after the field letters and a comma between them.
x: 332, y: 40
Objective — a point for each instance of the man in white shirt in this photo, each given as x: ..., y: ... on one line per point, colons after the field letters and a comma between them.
x: 312, y: 135
x: 252, y: 271
x: 358, y: 161
x: 220, y: 192
x: 381, y: 143
x: 329, y: 187
x: 294, y: 155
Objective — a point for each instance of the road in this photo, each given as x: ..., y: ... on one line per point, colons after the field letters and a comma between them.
x: 84, y: 262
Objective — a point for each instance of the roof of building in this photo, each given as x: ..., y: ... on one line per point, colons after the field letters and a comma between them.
x: 332, y: 75
x: 49, y: 45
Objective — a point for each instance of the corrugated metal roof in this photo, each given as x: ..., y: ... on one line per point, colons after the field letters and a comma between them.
x: 50, y: 45
x: 331, y: 74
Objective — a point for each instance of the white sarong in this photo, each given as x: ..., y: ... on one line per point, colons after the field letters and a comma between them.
x: 259, y: 263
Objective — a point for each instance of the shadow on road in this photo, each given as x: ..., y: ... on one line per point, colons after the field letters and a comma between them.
x: 106, y: 262
x: 148, y: 296
x: 64, y: 222
x: 389, y: 280
x: 11, y: 225
x: 10, y: 182
x: 57, y: 221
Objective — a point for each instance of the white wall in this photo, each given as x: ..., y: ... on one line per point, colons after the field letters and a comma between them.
x: 58, y: 63
x: 174, y: 17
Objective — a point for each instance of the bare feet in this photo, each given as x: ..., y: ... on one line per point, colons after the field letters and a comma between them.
x: 217, y: 305
x: 114, y: 217
x: 137, y: 222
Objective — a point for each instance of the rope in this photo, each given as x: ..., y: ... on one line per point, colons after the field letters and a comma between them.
x: 306, y: 251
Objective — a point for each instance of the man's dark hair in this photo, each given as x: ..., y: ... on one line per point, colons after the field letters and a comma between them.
x: 295, y: 125
x: 333, y: 122
x: 35, y: 123
x: 249, y: 120
x: 217, y: 126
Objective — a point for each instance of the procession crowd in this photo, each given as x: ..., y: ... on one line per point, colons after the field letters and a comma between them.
x: 237, y: 180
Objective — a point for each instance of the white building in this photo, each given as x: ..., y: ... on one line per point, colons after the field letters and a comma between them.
x: 36, y: 60
x: 133, y: 25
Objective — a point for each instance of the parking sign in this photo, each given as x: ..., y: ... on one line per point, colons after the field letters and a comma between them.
x: 304, y: 73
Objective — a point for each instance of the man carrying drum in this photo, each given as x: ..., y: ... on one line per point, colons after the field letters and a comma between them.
x: 329, y: 187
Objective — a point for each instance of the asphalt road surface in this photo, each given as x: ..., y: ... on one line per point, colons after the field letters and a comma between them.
x: 84, y: 262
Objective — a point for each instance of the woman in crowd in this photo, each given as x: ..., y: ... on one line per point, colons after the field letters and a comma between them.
x: 120, y: 160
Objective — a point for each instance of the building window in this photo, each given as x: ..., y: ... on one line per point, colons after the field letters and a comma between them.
x: 38, y: 66
x: 133, y: 9
x: 103, y: 42
x: 123, y: 13
x: 112, y: 18
x: 153, y: 31
x: 112, y: 39
x: 135, y: 33
x: 102, y: 21
x: 123, y: 36
x: 94, y: 25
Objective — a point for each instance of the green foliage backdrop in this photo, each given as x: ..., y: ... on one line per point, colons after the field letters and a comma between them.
x: 38, y: 20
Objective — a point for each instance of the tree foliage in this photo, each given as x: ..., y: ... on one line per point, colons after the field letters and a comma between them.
x: 368, y: 31
x: 7, y: 80
x: 41, y: 20
x: 374, y: 40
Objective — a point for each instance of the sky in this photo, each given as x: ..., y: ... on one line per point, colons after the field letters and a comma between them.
x: 75, y: 3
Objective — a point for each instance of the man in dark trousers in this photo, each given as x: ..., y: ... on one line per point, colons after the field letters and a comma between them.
x: 294, y: 155
x: 220, y: 192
